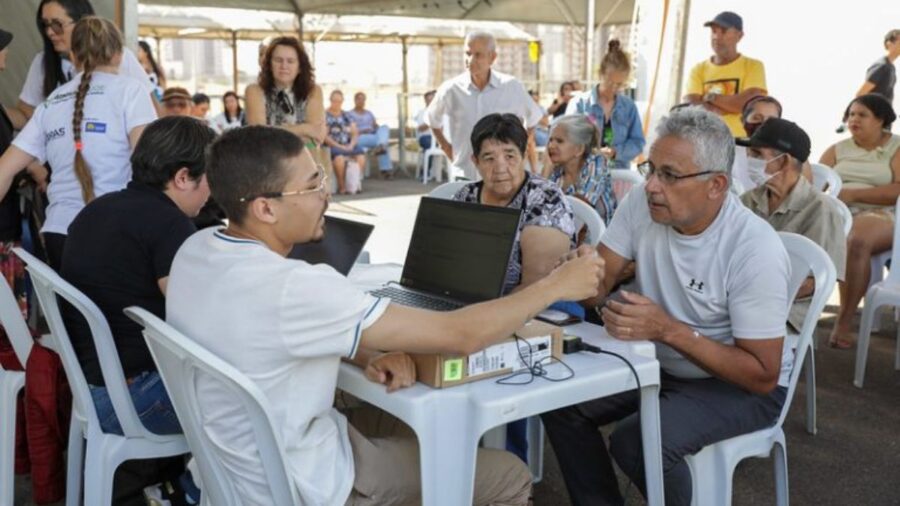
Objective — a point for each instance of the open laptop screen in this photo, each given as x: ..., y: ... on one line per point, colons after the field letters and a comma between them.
x: 460, y: 250
x: 342, y: 244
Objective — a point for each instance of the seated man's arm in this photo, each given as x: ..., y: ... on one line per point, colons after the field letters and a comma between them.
x: 394, y: 369
x: 474, y: 327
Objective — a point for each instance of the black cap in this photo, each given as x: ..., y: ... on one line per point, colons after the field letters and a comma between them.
x: 727, y: 19
x: 783, y: 135
x: 5, y: 39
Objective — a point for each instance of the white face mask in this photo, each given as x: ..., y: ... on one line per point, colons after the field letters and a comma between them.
x: 756, y: 170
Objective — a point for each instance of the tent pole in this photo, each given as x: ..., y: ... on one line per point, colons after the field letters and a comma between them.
x: 404, y: 104
x: 234, y: 60
x: 589, y: 42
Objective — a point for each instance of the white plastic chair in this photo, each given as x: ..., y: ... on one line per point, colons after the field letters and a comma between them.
x: 713, y: 466
x: 623, y: 180
x: 181, y: 361
x: 585, y: 215
x: 447, y: 190
x: 845, y: 213
x: 104, y: 451
x: 881, y: 293
x: 11, y: 383
x: 823, y: 176
x: 428, y: 159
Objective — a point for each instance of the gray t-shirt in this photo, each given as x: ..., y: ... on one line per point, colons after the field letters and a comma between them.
x: 730, y: 281
x: 883, y: 75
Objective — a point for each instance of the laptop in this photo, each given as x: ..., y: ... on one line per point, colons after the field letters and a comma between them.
x: 457, y: 255
x: 343, y: 242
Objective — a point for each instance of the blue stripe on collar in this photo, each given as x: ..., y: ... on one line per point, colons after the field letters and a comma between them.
x: 220, y: 235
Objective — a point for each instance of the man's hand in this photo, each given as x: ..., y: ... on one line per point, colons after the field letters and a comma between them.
x: 638, y: 318
x: 395, y: 369
x: 581, y: 251
x: 579, y: 278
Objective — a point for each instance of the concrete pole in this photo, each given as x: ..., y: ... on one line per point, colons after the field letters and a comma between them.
x: 234, y: 59
x: 589, y: 42
x: 404, y: 104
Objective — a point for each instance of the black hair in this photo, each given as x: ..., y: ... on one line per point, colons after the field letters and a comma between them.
x: 249, y: 161
x: 236, y: 98
x: 200, y: 98
x: 160, y: 75
x: 501, y: 128
x: 52, y: 61
x: 167, y: 145
x: 760, y: 99
x: 881, y: 108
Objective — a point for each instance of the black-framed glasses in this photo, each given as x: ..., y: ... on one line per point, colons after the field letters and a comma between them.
x: 320, y: 188
x: 285, y: 103
x: 56, y: 25
x: 647, y: 169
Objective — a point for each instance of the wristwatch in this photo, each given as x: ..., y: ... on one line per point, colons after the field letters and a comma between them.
x: 710, y: 96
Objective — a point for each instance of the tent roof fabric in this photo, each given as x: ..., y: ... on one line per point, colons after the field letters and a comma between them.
x: 206, y: 23
x: 571, y: 12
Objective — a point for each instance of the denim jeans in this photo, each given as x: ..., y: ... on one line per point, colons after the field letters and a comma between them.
x: 378, y: 138
x: 541, y: 136
x: 151, y: 401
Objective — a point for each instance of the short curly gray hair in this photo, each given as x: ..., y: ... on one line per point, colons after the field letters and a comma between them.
x: 712, y: 140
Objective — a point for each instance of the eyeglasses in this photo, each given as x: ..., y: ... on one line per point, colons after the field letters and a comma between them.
x: 285, y: 103
x: 320, y: 188
x: 56, y: 25
x: 647, y: 170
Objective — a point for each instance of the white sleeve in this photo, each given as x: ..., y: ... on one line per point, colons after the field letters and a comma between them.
x: 434, y: 115
x: 131, y: 67
x: 329, y: 321
x: 758, y: 290
x: 33, y: 89
x: 31, y: 138
x: 532, y: 113
x: 620, y: 234
x: 139, y: 108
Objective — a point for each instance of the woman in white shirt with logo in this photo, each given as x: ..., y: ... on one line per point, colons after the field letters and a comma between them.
x: 53, y: 66
x: 85, y: 129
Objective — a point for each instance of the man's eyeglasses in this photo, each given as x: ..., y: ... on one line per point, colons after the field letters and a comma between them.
x: 647, y: 169
x: 285, y: 103
x: 56, y: 25
x: 320, y: 188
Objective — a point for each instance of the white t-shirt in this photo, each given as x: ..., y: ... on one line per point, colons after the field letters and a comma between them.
x: 220, y: 123
x: 730, y: 281
x: 113, y: 107
x: 285, y: 324
x: 464, y: 104
x: 33, y: 89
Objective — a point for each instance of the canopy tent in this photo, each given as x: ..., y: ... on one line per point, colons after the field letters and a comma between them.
x: 572, y: 12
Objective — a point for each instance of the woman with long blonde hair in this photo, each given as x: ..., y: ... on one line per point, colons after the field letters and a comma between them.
x: 85, y: 129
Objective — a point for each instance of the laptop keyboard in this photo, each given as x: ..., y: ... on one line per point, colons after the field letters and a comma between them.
x: 415, y: 299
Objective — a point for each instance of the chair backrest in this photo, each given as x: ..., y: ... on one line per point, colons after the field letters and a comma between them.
x: 846, y: 215
x: 181, y: 361
x: 586, y: 215
x: 894, y: 273
x: 447, y: 190
x: 50, y: 287
x: 13, y: 322
x: 807, y: 259
x: 823, y: 176
x: 623, y: 180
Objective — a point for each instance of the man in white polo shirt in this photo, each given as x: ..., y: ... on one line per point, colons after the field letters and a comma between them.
x: 286, y: 324
x: 711, y: 293
x: 474, y: 94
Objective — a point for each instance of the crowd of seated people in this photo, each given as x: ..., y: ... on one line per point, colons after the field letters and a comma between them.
x: 708, y: 272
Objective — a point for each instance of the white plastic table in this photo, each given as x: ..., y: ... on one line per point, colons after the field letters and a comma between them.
x: 450, y: 422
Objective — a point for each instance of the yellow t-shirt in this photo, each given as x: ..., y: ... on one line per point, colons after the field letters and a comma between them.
x: 739, y: 75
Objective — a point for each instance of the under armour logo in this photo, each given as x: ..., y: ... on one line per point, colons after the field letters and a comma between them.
x: 695, y: 285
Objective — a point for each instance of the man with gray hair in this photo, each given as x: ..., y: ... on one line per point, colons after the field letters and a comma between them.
x: 712, y: 295
x: 474, y: 94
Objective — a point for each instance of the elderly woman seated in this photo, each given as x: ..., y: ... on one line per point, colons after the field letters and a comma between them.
x: 547, y: 226
x: 869, y: 166
x: 578, y: 168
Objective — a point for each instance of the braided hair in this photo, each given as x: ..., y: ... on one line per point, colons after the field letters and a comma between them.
x: 95, y: 43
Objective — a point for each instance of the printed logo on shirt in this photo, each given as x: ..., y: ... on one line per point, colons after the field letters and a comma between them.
x: 722, y: 86
x: 52, y: 135
x: 695, y: 286
x: 95, y: 127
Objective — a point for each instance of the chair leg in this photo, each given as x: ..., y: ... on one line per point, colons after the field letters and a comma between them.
x: 75, y: 462
x: 11, y: 384
x: 782, y: 497
x: 426, y: 166
x: 862, y: 345
x: 810, y: 366
x: 98, y: 484
x: 897, y: 351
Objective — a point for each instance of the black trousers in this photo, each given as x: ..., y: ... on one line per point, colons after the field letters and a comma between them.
x: 54, y: 244
x: 693, y: 413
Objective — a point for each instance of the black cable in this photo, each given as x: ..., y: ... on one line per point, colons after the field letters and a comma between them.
x: 534, y: 370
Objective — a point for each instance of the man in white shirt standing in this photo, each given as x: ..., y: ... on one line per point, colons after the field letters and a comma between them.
x: 470, y: 96
x: 711, y: 294
x: 286, y: 324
